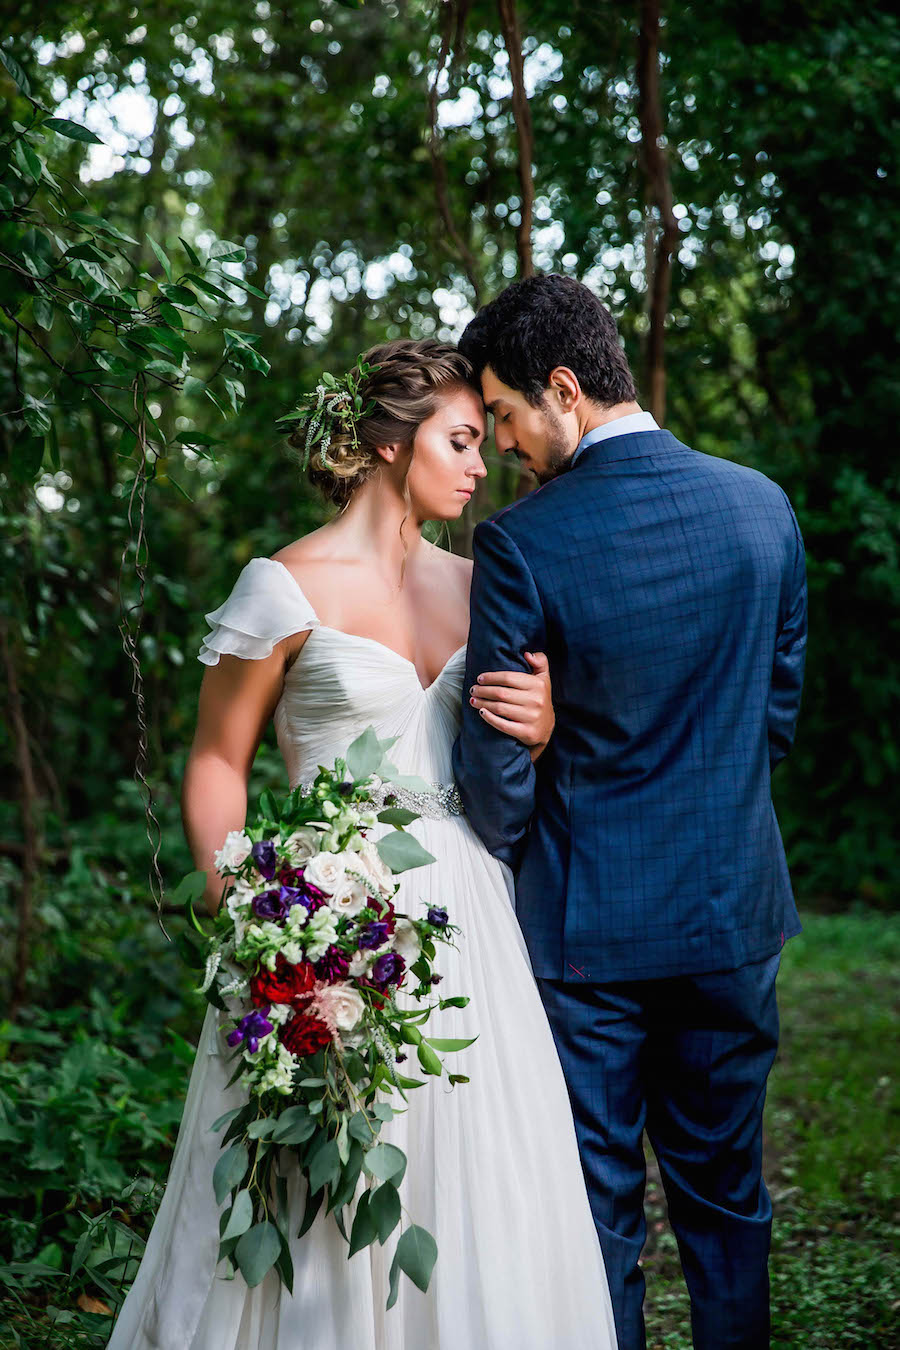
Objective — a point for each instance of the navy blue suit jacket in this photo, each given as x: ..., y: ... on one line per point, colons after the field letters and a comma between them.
x: 668, y: 589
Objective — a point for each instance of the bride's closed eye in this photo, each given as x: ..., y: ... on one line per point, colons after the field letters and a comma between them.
x: 457, y: 445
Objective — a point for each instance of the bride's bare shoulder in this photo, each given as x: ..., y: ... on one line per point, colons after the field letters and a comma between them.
x: 455, y: 571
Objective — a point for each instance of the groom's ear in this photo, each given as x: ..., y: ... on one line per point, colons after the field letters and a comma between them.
x: 563, y: 382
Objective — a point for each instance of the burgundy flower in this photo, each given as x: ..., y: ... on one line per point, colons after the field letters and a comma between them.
x: 304, y: 1035
x: 285, y: 984
x: 333, y: 966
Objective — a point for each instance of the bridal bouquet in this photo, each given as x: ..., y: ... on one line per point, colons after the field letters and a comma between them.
x: 306, y: 958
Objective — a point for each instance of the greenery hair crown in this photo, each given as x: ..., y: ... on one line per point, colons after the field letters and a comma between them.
x: 336, y: 404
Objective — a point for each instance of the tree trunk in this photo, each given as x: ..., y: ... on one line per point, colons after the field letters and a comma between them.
x: 658, y: 189
x: 31, y: 830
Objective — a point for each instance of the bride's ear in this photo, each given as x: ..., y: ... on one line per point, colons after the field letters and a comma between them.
x: 389, y: 453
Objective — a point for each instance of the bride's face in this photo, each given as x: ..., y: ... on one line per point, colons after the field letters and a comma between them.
x: 446, y: 461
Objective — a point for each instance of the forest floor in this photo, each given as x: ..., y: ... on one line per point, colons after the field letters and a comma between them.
x: 832, y: 1155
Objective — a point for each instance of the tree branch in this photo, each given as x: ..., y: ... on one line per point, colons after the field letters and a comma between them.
x: 438, y: 162
x: 31, y: 830
x: 522, y: 113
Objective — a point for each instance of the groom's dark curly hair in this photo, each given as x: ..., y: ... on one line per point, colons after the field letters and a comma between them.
x: 547, y: 321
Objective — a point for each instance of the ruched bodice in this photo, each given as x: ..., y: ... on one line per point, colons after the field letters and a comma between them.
x: 340, y: 683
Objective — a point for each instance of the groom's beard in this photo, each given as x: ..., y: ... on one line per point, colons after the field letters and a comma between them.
x: 558, y: 450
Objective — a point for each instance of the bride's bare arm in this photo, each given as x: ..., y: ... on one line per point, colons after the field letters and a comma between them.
x: 237, y: 699
x: 517, y: 703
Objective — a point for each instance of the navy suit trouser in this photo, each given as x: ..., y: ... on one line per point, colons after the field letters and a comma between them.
x: 687, y: 1059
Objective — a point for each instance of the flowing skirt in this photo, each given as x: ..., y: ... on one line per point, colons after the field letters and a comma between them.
x: 493, y: 1173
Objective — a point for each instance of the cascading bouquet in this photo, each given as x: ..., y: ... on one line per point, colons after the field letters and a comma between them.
x: 306, y: 958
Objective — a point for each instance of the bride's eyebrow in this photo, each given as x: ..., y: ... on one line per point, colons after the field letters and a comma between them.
x: 464, y: 426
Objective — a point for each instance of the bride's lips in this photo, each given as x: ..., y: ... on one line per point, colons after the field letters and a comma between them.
x: 467, y: 492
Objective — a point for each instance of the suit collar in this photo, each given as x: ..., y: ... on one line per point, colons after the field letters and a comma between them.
x: 630, y: 445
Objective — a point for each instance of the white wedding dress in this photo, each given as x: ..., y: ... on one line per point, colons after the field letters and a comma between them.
x: 493, y: 1167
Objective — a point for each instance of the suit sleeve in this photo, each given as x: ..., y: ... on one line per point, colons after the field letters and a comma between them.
x: 494, y: 771
x: 790, y: 658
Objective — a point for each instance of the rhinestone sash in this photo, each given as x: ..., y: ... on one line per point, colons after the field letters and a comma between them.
x: 445, y: 801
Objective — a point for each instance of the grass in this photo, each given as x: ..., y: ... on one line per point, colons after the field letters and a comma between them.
x: 832, y: 1150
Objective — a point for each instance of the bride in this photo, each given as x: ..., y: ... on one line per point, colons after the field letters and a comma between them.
x: 363, y: 622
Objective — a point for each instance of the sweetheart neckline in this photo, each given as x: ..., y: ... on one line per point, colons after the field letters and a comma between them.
x: 359, y: 637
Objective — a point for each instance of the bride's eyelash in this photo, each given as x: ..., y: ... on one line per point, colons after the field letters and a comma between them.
x: 459, y: 445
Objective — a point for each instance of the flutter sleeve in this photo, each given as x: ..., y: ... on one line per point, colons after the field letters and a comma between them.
x: 265, y: 606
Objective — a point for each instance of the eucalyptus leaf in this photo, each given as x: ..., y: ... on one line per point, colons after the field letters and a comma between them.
x: 384, y: 1207
x: 229, y: 1171
x: 257, y: 1252
x: 401, y: 852
x: 241, y: 1216
x: 416, y: 1255
x: 365, y: 1228
x: 386, y: 1162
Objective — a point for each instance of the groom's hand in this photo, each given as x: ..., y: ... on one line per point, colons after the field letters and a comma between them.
x: 518, y: 704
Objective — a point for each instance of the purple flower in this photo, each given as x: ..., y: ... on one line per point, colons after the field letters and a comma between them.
x: 263, y: 855
x: 437, y: 917
x: 388, y: 969
x: 270, y: 905
x: 309, y: 895
x: 373, y: 935
x: 250, y: 1029
x: 333, y: 966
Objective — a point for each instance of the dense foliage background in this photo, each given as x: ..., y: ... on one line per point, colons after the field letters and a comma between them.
x: 358, y: 170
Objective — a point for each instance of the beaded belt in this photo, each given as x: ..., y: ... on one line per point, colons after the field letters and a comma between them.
x: 445, y: 801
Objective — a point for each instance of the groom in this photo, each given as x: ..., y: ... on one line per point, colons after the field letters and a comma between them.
x: 667, y: 588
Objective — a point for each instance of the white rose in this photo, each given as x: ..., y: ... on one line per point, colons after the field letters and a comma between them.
x: 349, y: 898
x: 360, y: 962
x: 238, y: 900
x: 326, y: 870
x: 303, y: 844
x: 406, y: 941
x: 340, y: 1005
x: 278, y: 1013
x: 233, y: 852
x: 369, y: 862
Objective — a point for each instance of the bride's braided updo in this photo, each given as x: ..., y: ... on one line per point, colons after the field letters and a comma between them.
x: 402, y: 393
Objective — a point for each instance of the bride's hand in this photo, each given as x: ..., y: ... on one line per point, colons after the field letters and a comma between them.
x: 518, y: 704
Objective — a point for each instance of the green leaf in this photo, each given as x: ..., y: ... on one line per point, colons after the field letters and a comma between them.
x: 324, y: 1166
x: 410, y: 1035
x: 313, y: 1205
x: 192, y: 256
x: 229, y: 1171
x: 73, y: 130
x: 161, y: 255
x: 458, y: 1001
x: 27, y: 160
x: 36, y: 417
x: 296, y: 1131
x: 15, y: 71
x: 342, y: 1192
x: 444, y: 1045
x: 386, y: 1162
x: 416, y: 1255
x: 208, y: 288
x: 257, y: 1252
x: 261, y: 1129
x: 365, y: 1229
x: 366, y: 754
x: 394, y: 1285
x: 397, y: 815
x: 429, y: 1060
x: 223, y: 251
x: 268, y: 805
x: 360, y: 1128
x: 402, y: 852
x: 179, y: 295
x: 384, y: 1207
x: 226, y: 1119
x: 241, y: 1216
x: 189, y: 889
x: 43, y: 311
x: 7, y: 200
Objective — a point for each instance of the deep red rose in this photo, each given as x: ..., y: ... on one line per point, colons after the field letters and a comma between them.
x: 284, y: 984
x: 304, y: 1035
